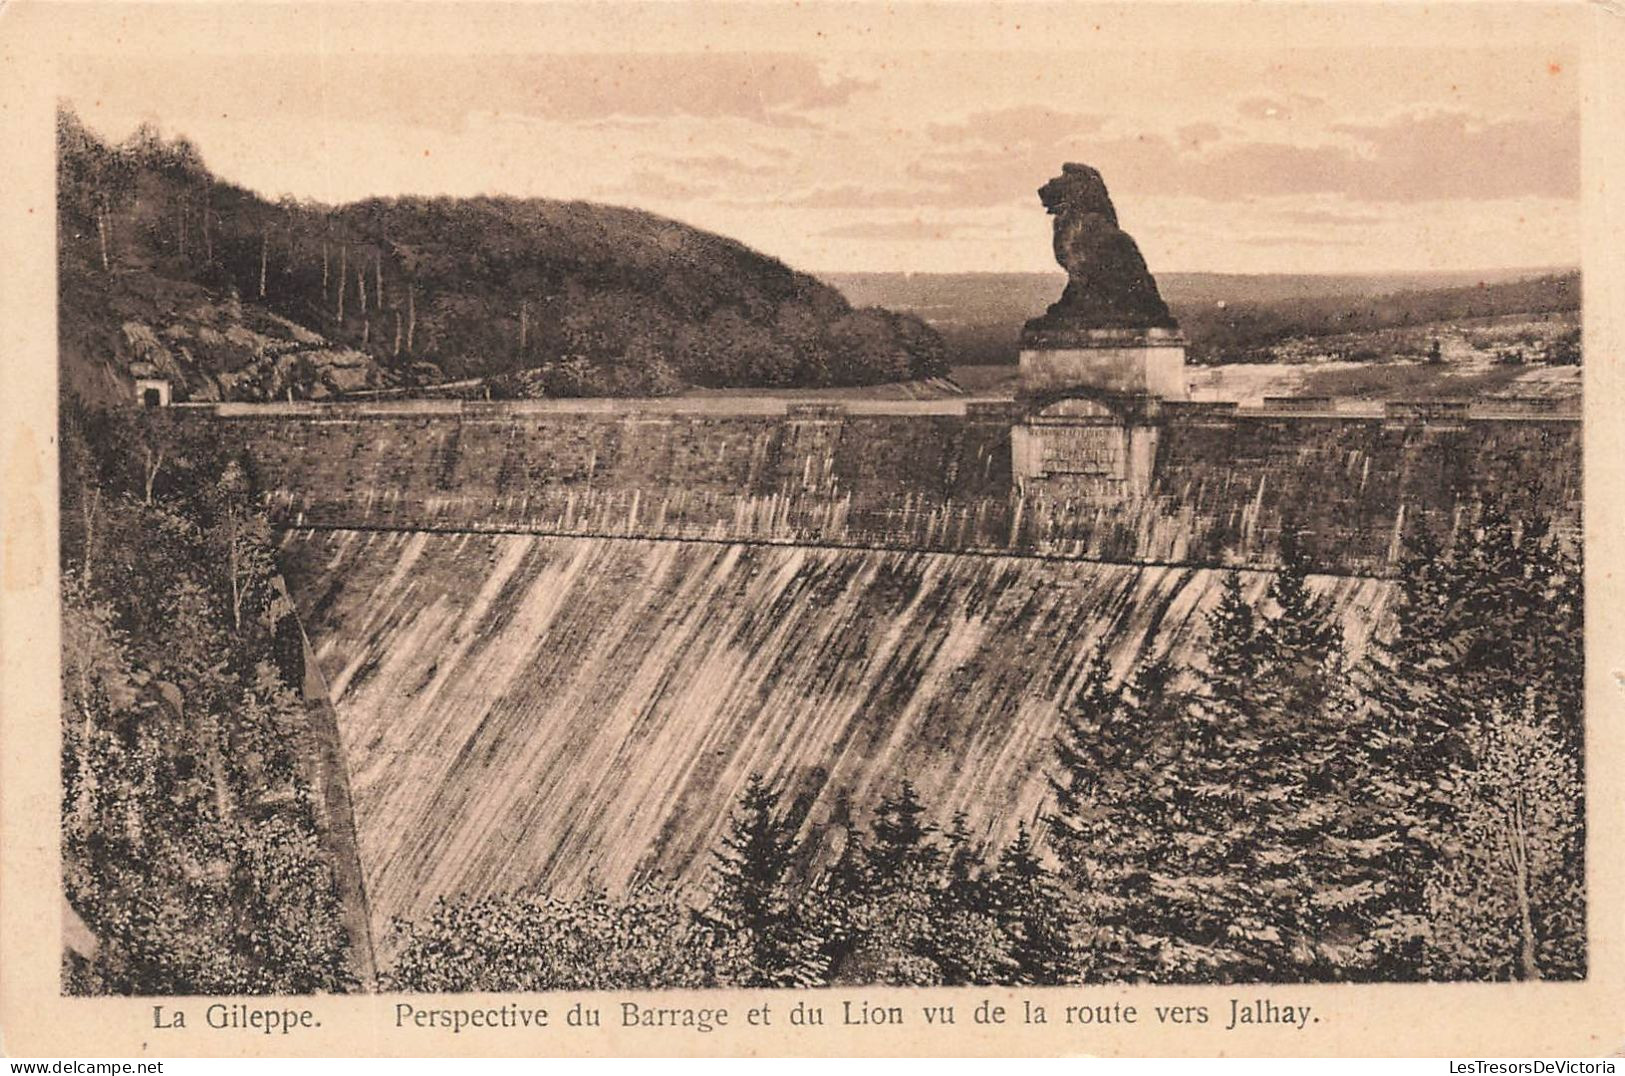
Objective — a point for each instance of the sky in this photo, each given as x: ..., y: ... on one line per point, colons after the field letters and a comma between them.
x: 907, y: 138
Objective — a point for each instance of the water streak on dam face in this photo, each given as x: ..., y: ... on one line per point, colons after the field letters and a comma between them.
x: 525, y: 711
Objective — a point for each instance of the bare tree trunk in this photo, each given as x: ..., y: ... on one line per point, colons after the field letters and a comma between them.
x: 344, y: 270
x: 101, y: 235
x: 397, y: 350
x: 524, y: 324
x: 411, y: 314
x: 180, y: 230
x: 324, y: 270
x: 89, y: 507
x: 85, y: 791
x: 265, y: 245
x: 1518, y: 842
x: 208, y: 236
x: 217, y: 767
x: 232, y: 563
x: 361, y: 286
x: 132, y: 815
x: 155, y: 462
x: 366, y: 331
x: 378, y: 279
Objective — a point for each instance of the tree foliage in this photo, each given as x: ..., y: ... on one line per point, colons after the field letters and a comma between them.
x: 1485, y: 669
x: 753, y: 903
x: 541, y: 297
x: 647, y: 939
x: 192, y: 849
x: 1288, y: 813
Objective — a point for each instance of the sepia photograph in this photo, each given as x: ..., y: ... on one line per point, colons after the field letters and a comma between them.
x: 1079, y: 504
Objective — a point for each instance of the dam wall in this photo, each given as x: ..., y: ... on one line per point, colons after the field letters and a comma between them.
x: 536, y: 689
x: 549, y: 714
x: 1216, y: 485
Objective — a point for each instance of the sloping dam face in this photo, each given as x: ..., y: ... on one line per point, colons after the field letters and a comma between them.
x: 522, y: 711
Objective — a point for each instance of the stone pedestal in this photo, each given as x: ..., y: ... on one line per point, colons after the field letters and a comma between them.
x: 1119, y: 362
x: 1087, y: 450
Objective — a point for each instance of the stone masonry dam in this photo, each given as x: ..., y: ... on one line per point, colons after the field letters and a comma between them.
x: 559, y: 636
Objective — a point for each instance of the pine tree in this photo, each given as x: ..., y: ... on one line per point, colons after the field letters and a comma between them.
x: 1232, y: 631
x: 901, y: 852
x: 1486, y: 644
x: 1112, y: 826
x: 1271, y: 870
x: 1034, y: 914
x: 1300, y: 643
x: 1305, y: 774
x: 907, y: 875
x: 875, y: 907
x: 968, y: 942
x: 963, y: 885
x: 752, y: 900
x: 1211, y: 923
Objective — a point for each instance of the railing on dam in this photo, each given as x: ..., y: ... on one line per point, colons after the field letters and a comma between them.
x: 1546, y: 408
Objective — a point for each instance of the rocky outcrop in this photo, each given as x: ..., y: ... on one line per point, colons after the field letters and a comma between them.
x: 223, y: 350
x: 1108, y: 285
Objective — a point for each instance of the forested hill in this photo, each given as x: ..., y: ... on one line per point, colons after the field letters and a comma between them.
x: 165, y: 266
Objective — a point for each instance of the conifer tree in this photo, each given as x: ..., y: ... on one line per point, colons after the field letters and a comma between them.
x: 874, y: 909
x: 1232, y: 629
x: 1271, y: 866
x: 901, y: 852
x: 836, y: 907
x: 963, y: 886
x: 752, y: 902
x: 968, y: 943
x: 1034, y: 914
x: 1301, y: 646
x: 1113, y: 825
x: 906, y: 865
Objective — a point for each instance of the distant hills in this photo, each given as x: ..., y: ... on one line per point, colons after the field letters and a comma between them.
x: 165, y: 268
x: 1227, y: 316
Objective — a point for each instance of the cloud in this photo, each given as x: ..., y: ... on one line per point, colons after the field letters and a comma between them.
x: 902, y: 230
x: 1329, y: 217
x: 773, y: 89
x: 1295, y: 240
x: 776, y: 89
x: 720, y: 165
x: 647, y: 183
x: 1281, y: 108
x: 1022, y: 124
x: 1418, y: 157
x: 1195, y: 135
x: 1415, y: 157
x: 851, y: 196
x: 1455, y: 155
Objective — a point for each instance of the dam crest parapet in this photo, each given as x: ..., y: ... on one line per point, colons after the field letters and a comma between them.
x: 1197, y: 483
